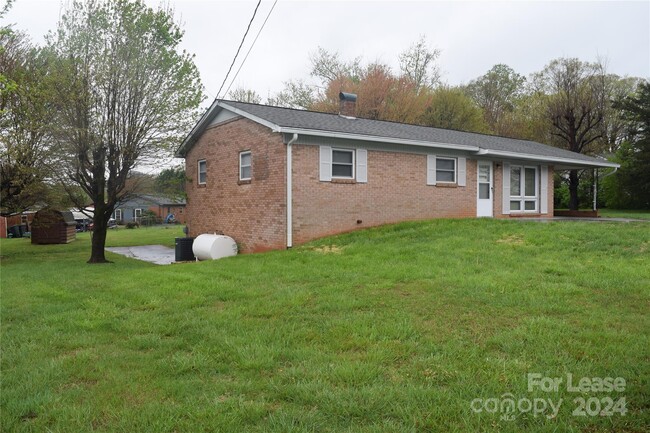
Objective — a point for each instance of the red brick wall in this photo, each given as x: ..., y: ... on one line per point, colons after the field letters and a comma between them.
x: 396, y: 191
x: 252, y: 213
x: 162, y: 212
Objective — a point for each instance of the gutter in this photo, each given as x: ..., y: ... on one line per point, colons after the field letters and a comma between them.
x: 289, y: 192
x: 556, y: 159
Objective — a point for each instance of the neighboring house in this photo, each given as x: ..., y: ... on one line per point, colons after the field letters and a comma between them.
x: 135, y: 207
x: 273, y: 177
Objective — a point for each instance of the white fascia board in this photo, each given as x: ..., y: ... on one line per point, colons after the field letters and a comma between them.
x: 564, y: 161
x: 203, y: 122
x: 273, y: 126
x: 199, y: 125
x: 346, y: 136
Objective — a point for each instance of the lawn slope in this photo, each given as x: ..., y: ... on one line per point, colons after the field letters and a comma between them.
x: 393, y: 329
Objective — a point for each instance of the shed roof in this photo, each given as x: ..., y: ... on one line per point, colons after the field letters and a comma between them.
x: 290, y: 120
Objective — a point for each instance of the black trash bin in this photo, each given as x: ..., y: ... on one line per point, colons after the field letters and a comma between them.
x: 14, y: 231
x: 184, y: 249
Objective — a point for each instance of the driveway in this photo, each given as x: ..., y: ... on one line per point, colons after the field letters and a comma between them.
x: 158, y: 254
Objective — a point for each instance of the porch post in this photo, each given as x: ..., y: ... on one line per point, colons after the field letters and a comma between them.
x: 595, y: 182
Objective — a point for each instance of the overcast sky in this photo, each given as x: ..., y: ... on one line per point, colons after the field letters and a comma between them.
x: 472, y: 36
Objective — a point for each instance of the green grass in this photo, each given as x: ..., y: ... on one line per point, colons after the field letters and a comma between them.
x: 616, y: 213
x: 394, y: 329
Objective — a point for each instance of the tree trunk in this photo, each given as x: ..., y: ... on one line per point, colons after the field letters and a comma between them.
x: 573, y: 190
x: 98, y: 239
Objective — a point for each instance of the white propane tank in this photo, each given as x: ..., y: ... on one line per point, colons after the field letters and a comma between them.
x: 212, y: 247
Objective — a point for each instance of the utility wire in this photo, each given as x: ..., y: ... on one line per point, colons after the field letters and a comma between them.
x: 238, y: 49
x: 251, y: 47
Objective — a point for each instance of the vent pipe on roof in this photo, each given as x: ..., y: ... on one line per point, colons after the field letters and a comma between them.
x: 348, y: 105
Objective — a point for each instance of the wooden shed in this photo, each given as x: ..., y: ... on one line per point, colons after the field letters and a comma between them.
x: 53, y: 227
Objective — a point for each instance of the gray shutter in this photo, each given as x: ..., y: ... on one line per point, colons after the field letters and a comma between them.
x: 431, y: 169
x: 543, y: 191
x: 506, y: 188
x: 362, y: 165
x: 325, y: 164
x: 462, y: 175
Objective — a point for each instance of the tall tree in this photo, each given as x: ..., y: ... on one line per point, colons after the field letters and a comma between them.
x: 24, y: 120
x: 632, y: 181
x: 418, y: 64
x: 125, y: 94
x: 496, y: 92
x: 451, y: 108
x: 171, y: 182
x: 614, y: 127
x: 575, y: 108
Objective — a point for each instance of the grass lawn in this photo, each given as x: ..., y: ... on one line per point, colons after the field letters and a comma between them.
x: 616, y: 213
x: 394, y: 329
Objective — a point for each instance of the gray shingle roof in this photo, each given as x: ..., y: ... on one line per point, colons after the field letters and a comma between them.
x: 302, y: 119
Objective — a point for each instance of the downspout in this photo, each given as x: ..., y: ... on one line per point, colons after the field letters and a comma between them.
x: 289, y: 193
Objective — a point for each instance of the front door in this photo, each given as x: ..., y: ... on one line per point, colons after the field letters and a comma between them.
x: 484, y: 188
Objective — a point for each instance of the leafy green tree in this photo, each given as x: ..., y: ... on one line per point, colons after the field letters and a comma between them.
x: 497, y: 92
x: 125, y: 94
x: 24, y: 123
x: 614, y: 126
x: 171, y: 182
x: 451, y: 108
x: 630, y: 186
x: 296, y: 94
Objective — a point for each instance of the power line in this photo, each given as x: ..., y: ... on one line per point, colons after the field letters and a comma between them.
x: 238, y: 49
x: 251, y: 47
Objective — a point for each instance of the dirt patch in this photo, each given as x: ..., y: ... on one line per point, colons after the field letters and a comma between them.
x: 511, y: 240
x: 328, y: 249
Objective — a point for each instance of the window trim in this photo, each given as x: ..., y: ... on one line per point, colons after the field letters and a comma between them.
x: 198, y: 171
x: 354, y: 160
x: 241, y: 154
x: 455, y: 170
x: 522, y: 198
x: 121, y: 215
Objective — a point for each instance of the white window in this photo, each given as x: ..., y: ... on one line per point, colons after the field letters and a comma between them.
x: 446, y: 170
x: 118, y: 214
x: 343, y: 163
x: 523, y: 189
x: 202, y: 171
x: 137, y: 213
x: 245, y: 161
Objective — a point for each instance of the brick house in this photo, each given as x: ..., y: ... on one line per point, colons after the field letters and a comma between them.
x: 274, y: 177
x: 133, y: 209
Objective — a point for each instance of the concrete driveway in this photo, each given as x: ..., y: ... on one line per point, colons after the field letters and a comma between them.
x: 158, y: 254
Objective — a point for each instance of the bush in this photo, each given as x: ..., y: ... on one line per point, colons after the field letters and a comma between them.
x: 132, y: 225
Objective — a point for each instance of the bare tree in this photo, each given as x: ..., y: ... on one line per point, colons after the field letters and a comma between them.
x: 418, y: 64
x: 245, y: 95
